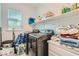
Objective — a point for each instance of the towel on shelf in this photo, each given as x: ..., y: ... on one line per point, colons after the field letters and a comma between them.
x: 69, y: 41
x: 69, y: 44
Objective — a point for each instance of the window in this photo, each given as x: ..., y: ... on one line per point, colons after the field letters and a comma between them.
x: 14, y: 19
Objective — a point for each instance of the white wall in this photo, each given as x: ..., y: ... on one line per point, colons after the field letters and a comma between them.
x: 26, y: 11
x: 0, y: 15
x: 54, y: 7
x: 54, y: 22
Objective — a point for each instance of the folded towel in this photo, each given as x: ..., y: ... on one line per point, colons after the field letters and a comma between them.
x: 69, y: 39
x: 69, y: 44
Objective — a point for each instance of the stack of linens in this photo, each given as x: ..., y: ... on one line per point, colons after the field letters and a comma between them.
x: 69, y: 41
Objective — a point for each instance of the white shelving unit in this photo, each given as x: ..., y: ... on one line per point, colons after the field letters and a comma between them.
x: 70, y: 16
x: 56, y: 49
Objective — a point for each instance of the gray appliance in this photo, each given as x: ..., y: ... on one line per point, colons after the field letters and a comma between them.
x: 38, y: 42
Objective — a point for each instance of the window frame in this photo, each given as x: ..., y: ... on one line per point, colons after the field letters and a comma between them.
x: 21, y: 25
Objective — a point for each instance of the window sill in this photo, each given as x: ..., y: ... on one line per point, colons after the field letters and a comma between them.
x: 15, y: 30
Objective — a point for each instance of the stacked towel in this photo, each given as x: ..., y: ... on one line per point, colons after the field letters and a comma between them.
x: 69, y: 42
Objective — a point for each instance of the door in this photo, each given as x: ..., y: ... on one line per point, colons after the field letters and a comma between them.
x: 0, y: 28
